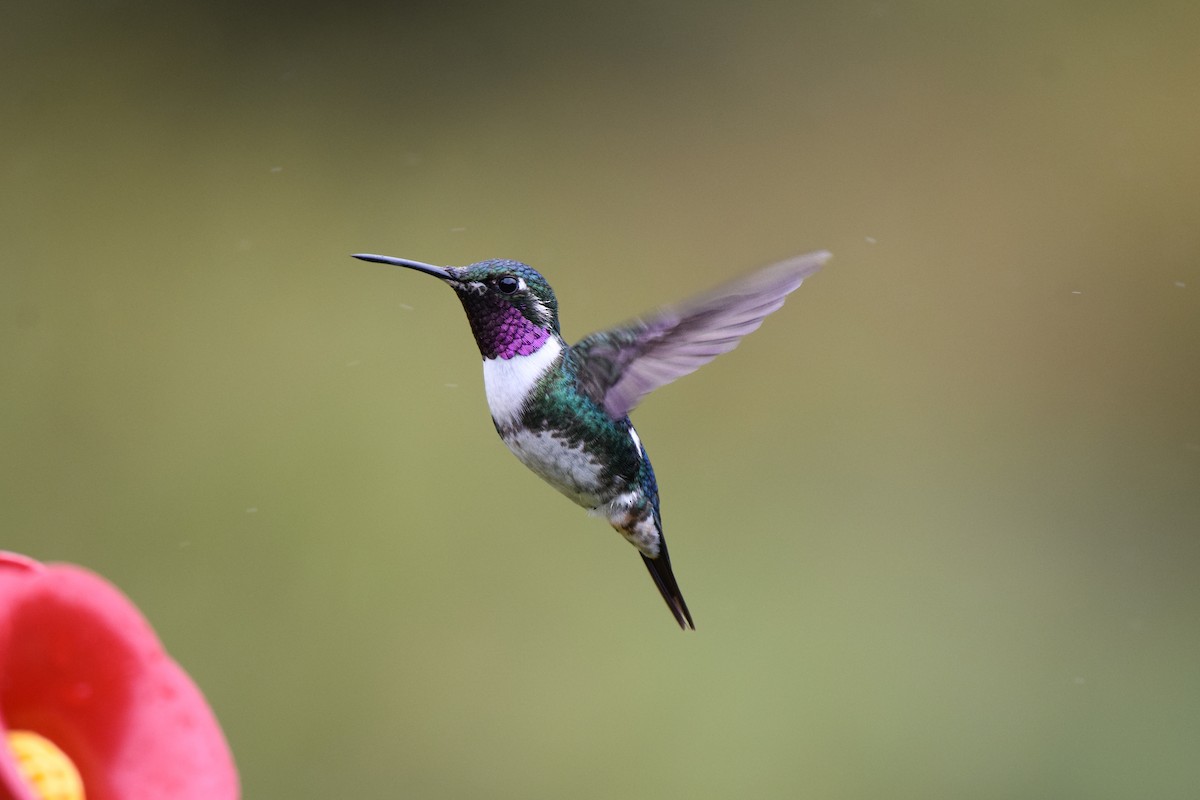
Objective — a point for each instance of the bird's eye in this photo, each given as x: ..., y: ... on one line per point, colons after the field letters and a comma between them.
x: 508, y: 284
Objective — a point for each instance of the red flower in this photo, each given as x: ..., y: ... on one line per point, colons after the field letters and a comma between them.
x: 81, y: 669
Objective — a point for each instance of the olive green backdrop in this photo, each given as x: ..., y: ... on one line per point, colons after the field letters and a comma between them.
x: 937, y: 521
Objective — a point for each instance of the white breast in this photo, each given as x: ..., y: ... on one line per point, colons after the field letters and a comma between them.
x: 508, y: 381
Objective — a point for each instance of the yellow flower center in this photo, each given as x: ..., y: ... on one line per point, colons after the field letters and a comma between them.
x: 51, y: 774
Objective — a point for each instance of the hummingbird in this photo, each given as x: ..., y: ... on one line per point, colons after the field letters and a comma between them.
x: 563, y: 410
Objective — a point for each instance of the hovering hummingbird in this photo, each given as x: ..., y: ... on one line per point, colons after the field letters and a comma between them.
x: 563, y: 410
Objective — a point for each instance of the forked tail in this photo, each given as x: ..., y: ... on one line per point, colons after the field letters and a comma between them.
x: 664, y: 579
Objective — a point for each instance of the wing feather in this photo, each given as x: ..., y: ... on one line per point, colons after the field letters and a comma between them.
x: 618, y: 367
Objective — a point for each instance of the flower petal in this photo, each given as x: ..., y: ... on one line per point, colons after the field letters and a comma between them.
x: 81, y: 666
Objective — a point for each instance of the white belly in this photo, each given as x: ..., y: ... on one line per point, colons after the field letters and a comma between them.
x: 571, y: 470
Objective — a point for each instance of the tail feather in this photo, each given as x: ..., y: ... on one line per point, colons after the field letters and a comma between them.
x: 664, y: 579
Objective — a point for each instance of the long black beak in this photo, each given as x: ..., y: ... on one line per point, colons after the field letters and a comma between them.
x: 419, y: 266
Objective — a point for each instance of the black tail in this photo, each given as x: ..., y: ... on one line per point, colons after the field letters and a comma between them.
x: 664, y: 579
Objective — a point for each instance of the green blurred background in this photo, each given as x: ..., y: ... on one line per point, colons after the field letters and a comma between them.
x: 937, y: 522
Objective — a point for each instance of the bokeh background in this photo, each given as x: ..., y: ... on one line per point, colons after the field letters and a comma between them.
x: 937, y: 521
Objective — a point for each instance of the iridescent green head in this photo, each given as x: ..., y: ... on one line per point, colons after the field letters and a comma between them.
x: 511, y: 308
x: 515, y: 284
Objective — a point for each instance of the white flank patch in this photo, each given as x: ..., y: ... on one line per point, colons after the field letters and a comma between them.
x: 509, y: 381
x: 637, y: 442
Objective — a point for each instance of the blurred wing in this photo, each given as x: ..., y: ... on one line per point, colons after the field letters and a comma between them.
x: 618, y: 367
